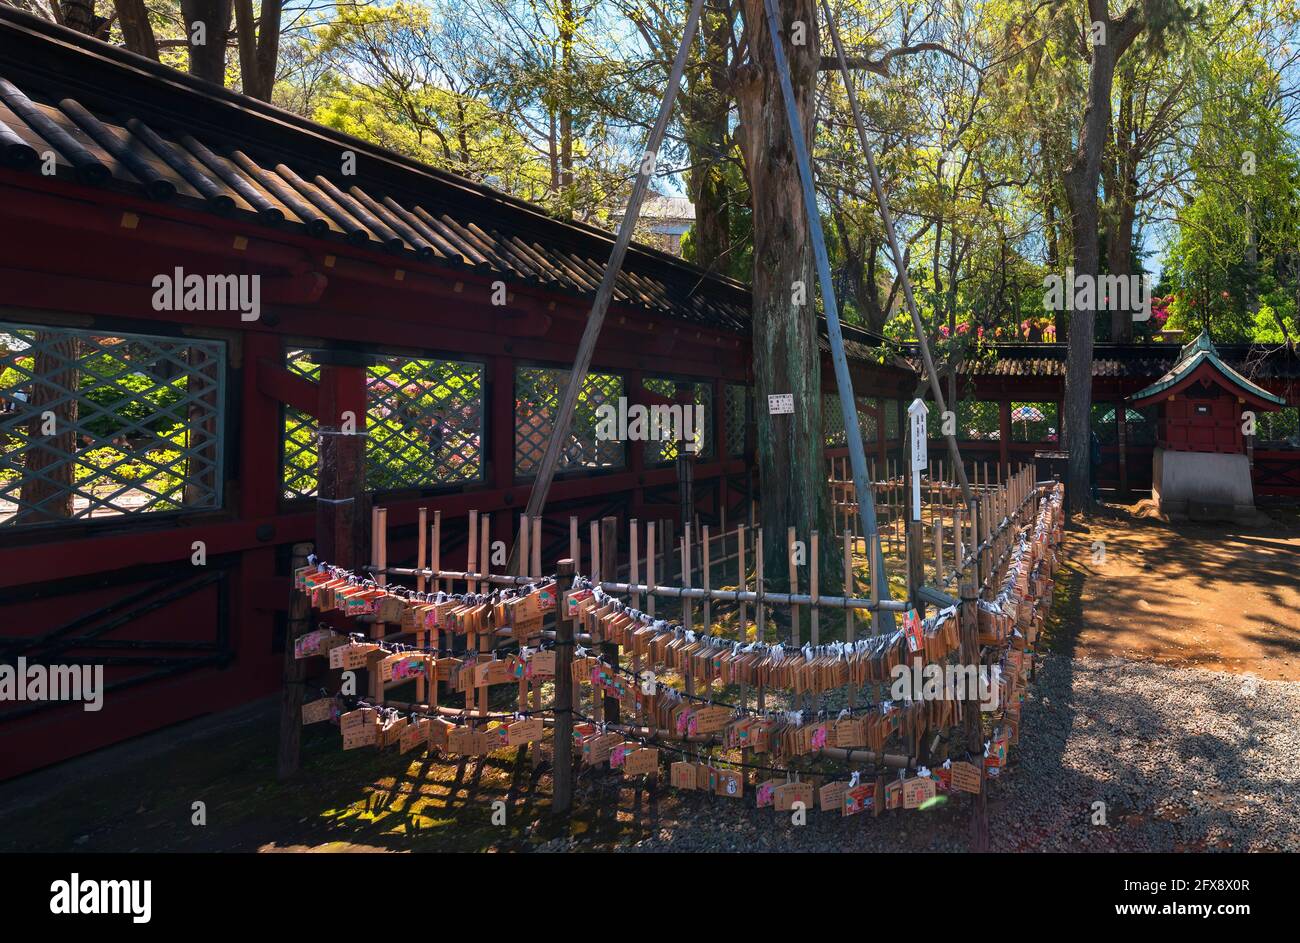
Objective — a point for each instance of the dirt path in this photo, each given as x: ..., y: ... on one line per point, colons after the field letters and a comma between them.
x: 1209, y: 596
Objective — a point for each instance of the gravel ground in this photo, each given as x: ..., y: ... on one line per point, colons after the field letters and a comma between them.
x: 1184, y: 760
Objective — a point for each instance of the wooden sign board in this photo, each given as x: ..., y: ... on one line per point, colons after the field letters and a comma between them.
x: 462, y: 740
x: 642, y: 762
x: 966, y: 778
x: 766, y: 795
x: 710, y: 720
x: 729, y: 783
x: 364, y: 735
x: 543, y: 664
x: 831, y: 796
x: 413, y: 736
x: 683, y: 775
x: 317, y: 711
x: 351, y: 656
x: 524, y: 731
x: 790, y: 793
x: 917, y: 791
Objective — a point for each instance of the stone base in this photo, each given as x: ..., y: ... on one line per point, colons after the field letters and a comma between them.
x: 1203, y: 486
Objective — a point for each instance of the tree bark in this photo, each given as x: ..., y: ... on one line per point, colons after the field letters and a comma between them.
x: 136, y: 28
x: 79, y: 15
x: 1081, y: 181
x: 705, y: 114
x: 792, y: 476
x: 1121, y: 194
x: 55, y: 374
x: 259, y: 46
x: 207, y: 58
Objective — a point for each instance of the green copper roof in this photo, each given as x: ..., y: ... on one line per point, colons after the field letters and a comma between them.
x: 1193, y: 355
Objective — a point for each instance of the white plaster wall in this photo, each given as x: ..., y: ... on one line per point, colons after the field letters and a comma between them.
x: 1205, y: 477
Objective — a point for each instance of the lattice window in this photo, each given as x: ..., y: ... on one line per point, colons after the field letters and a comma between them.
x: 1142, y: 426
x: 537, y: 398
x: 1034, y: 422
x: 867, y: 420
x: 100, y: 425
x: 299, y: 448
x: 424, y: 425
x: 833, y: 421
x: 891, y: 419
x: 658, y: 451
x: 1105, y: 424
x: 1280, y: 429
x: 734, y: 404
x: 978, y: 420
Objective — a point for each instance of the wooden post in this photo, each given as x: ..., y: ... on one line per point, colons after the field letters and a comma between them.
x: 704, y: 573
x: 760, y: 611
x: 537, y: 547
x: 435, y: 564
x: 421, y: 555
x: 378, y: 559
x: 562, y: 774
x: 634, y: 566
x: 850, y: 589
x: 471, y: 566
x: 790, y: 537
x: 650, y: 568
x: 609, y: 569
x: 295, y: 673
x: 471, y: 559
x: 341, y: 466
x: 485, y: 639
x: 938, y: 552
x: 814, y: 612
x: 742, y: 580
x: 687, y: 615
x: 974, y: 515
x: 915, y: 564
x: 573, y: 540
x: 634, y: 577
x: 435, y: 551
x: 874, y: 552
x: 974, y: 729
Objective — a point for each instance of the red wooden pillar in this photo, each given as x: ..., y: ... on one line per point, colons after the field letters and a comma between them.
x: 499, y: 459
x: 341, y: 511
x: 261, y: 432
x: 1004, y: 433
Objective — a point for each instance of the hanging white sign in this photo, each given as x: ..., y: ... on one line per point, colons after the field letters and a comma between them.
x: 780, y: 404
x: 917, y: 414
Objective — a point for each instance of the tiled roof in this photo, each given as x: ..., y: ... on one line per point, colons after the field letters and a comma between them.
x: 1132, y: 361
x: 1193, y: 355
x: 119, y: 121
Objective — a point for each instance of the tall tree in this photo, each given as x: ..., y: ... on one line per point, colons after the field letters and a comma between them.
x: 1104, y: 39
x: 207, y: 28
x: 787, y: 358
